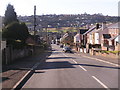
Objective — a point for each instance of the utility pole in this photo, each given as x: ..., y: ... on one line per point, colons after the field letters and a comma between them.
x: 34, y: 27
x: 34, y: 21
x: 46, y: 34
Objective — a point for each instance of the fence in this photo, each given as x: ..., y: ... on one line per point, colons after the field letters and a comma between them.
x: 9, y: 55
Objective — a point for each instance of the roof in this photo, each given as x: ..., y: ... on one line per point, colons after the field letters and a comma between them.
x: 106, y: 36
x: 77, y: 35
x: 96, y: 30
x: 114, y: 37
x: 117, y: 39
x: 91, y: 29
x: 115, y: 25
x: 82, y: 31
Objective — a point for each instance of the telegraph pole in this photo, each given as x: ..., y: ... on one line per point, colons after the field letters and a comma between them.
x: 34, y: 21
x: 34, y: 27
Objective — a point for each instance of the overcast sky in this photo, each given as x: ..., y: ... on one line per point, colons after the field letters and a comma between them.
x: 25, y: 7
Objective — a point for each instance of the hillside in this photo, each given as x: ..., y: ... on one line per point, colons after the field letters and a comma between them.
x: 56, y: 21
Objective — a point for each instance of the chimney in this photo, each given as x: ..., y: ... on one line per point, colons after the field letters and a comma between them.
x: 97, y: 25
x: 103, y: 25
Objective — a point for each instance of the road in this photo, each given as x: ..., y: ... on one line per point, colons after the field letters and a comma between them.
x: 72, y: 70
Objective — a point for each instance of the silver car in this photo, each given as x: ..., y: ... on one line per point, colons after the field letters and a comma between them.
x: 67, y: 49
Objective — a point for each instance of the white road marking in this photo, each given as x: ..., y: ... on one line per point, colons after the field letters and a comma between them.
x: 82, y: 68
x: 35, y: 66
x: 102, y: 61
x: 65, y: 55
x: 74, y: 61
x: 101, y: 83
x: 80, y: 65
x: 75, y: 53
x: 21, y: 80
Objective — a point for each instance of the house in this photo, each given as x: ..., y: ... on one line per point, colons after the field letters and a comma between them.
x: 108, y: 36
x: 79, y: 38
x: 77, y: 41
x: 102, y: 36
x: 117, y: 43
x: 88, y: 37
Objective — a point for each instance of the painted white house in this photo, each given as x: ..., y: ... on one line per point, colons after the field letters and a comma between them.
x: 77, y: 38
x: 117, y: 39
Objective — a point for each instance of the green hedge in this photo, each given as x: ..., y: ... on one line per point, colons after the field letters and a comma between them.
x: 104, y: 51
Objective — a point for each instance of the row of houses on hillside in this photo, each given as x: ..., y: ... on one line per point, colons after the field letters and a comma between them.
x: 100, y: 36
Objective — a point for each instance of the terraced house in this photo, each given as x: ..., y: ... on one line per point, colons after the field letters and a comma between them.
x: 103, y: 37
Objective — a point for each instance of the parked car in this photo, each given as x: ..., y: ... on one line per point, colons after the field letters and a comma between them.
x: 61, y: 46
x: 67, y: 49
x: 57, y: 41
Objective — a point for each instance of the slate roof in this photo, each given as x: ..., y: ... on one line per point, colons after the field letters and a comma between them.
x: 91, y: 29
x: 82, y: 31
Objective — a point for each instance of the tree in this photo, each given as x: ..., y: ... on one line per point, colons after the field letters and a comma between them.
x: 67, y: 38
x: 10, y: 15
x: 15, y: 31
x: 23, y: 31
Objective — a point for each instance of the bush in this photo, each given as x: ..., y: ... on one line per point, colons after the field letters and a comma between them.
x: 15, y: 31
x: 104, y: 51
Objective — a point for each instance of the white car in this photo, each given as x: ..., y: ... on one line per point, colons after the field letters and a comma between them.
x: 67, y: 49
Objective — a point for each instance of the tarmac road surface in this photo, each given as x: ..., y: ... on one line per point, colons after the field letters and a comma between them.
x: 71, y: 70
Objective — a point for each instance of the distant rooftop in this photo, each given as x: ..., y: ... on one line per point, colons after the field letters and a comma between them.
x: 115, y: 25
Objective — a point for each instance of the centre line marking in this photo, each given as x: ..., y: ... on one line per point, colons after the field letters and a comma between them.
x: 74, y: 61
x: 79, y: 65
x: 82, y: 68
x: 101, y: 83
x: 65, y: 55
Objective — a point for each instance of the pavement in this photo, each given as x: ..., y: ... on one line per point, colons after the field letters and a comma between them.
x: 13, y: 73
x: 113, y: 60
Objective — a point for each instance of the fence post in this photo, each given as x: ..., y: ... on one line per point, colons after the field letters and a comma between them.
x: 6, y: 55
x: 10, y: 52
x: 3, y: 56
